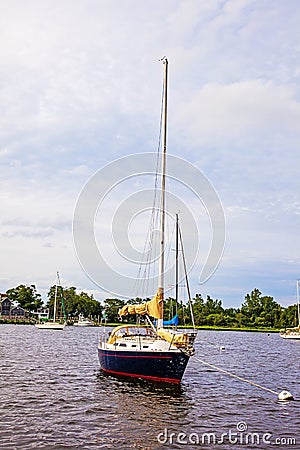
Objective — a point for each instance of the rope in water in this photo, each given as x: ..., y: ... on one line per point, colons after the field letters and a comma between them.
x: 235, y: 376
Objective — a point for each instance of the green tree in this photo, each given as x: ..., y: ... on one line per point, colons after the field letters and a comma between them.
x: 111, y: 308
x: 90, y: 306
x: 261, y: 311
x: 25, y: 296
x: 213, y: 306
x: 60, y: 301
x: 289, y: 317
x: 208, y: 312
x: 199, y: 310
x: 252, y: 307
x: 74, y: 304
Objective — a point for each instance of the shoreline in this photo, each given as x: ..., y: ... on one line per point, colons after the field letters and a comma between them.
x: 199, y: 327
x: 210, y: 327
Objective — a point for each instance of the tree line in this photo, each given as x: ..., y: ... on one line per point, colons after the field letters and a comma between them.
x: 257, y: 310
x: 69, y: 302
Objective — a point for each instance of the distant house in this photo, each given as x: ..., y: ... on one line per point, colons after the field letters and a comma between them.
x: 8, y: 310
x: 42, y: 313
x: 17, y: 312
x: 5, y: 305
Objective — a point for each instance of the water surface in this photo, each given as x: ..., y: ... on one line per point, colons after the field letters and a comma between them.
x: 53, y: 395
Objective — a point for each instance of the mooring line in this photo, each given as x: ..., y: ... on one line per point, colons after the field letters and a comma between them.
x: 284, y: 395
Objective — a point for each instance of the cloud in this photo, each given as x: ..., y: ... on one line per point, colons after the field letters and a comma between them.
x: 233, y: 112
x: 80, y: 87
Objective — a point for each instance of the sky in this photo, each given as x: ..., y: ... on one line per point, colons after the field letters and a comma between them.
x: 80, y: 96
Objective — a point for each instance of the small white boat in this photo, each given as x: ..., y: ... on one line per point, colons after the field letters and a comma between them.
x: 293, y: 333
x: 83, y: 322
x: 50, y: 326
x: 53, y: 324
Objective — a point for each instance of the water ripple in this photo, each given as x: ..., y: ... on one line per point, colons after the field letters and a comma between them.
x: 53, y: 395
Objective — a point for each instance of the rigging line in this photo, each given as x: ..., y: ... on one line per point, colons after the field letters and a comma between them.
x: 235, y: 376
x: 154, y: 210
x: 186, y: 278
x: 171, y: 234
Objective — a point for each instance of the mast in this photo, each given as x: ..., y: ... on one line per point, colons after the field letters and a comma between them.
x: 298, y: 303
x: 163, y: 191
x: 62, y: 297
x: 176, y: 263
x: 55, y: 297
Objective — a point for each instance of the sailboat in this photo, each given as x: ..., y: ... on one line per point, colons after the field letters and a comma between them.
x: 293, y: 333
x: 150, y: 352
x: 83, y: 322
x: 54, y: 324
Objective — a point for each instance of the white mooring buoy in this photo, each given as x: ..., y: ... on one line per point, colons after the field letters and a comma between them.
x: 285, y: 395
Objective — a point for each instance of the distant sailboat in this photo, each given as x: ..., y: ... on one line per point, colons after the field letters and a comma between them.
x: 150, y: 352
x: 293, y: 333
x: 83, y: 322
x: 54, y: 324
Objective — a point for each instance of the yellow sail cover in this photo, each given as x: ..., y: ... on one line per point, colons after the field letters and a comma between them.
x: 153, y: 308
x: 179, y: 340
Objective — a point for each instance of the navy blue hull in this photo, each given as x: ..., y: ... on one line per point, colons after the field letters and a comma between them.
x: 158, y: 366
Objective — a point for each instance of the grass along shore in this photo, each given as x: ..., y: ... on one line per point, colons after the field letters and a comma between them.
x: 201, y: 327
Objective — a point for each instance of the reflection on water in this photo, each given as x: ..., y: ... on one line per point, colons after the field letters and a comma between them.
x: 54, y: 396
x: 141, y: 408
x: 136, y: 386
